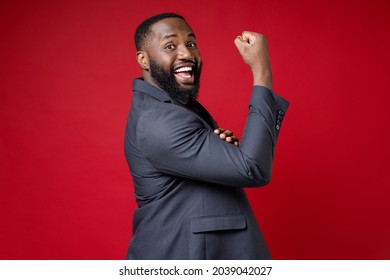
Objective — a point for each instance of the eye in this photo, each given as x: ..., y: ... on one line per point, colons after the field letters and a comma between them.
x: 169, y: 47
x: 191, y: 45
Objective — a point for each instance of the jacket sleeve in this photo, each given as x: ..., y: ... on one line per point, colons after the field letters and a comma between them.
x: 177, y: 142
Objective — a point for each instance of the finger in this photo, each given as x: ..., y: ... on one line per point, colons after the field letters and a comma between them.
x: 246, y: 37
x: 219, y: 131
x: 239, y: 42
x: 228, y: 132
x: 241, y: 39
x: 231, y: 139
x: 242, y: 42
x: 250, y: 37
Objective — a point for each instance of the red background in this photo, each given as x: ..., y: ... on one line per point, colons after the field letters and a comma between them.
x: 66, y: 71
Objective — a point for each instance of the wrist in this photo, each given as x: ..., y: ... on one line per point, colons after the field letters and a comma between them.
x: 263, y: 79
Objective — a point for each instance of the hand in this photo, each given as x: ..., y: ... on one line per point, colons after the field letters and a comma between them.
x: 254, y: 51
x: 227, y: 135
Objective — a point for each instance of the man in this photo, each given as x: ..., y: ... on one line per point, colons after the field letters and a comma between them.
x: 189, y: 179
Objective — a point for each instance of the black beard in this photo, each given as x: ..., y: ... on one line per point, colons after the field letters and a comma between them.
x: 167, y: 82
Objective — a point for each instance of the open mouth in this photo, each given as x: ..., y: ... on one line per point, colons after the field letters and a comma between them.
x: 184, y: 74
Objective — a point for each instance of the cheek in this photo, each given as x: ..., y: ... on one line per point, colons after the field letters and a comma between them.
x: 167, y: 61
x: 163, y: 59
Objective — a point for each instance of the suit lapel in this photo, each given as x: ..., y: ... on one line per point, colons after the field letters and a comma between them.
x: 141, y: 86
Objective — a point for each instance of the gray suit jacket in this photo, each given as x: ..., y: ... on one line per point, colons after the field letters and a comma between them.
x: 189, y: 183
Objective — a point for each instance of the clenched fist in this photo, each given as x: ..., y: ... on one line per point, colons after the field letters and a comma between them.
x: 254, y: 51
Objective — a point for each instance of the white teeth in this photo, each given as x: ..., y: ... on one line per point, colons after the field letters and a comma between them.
x: 184, y: 69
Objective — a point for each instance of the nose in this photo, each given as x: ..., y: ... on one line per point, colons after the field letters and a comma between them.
x: 184, y: 52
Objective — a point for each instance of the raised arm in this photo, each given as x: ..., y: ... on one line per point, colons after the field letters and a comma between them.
x: 178, y: 142
x: 253, y: 48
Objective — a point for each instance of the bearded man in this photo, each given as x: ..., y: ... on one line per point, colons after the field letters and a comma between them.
x: 189, y: 174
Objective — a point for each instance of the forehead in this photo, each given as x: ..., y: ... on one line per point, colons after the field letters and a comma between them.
x: 170, y: 26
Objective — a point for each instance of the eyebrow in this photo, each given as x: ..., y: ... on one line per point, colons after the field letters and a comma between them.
x: 171, y: 35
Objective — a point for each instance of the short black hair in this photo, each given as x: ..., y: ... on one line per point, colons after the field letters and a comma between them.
x: 143, y: 29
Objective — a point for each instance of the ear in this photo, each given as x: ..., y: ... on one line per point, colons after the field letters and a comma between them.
x: 143, y: 61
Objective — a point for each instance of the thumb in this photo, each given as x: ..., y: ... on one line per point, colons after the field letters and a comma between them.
x: 240, y: 42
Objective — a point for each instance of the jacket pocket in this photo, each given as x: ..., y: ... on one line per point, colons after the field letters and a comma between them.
x: 220, y: 222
